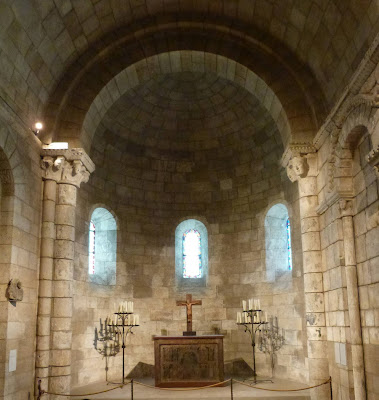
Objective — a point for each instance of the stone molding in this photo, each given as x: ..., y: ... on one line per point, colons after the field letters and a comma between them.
x: 295, y: 150
x: 72, y: 166
x: 332, y: 198
x: 373, y: 159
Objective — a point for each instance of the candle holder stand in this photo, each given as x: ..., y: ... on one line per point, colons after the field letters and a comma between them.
x: 271, y: 341
x: 106, y: 343
x: 122, y: 328
x: 254, y: 327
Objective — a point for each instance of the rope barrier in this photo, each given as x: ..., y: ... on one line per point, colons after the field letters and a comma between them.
x: 183, y: 389
x: 283, y: 390
x: 41, y: 392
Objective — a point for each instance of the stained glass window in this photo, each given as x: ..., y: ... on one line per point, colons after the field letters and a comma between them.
x: 91, y: 249
x: 192, y: 267
x: 289, y: 249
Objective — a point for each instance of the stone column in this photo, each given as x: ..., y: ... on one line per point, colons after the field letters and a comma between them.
x: 75, y: 168
x: 346, y: 208
x: 302, y: 168
x: 51, y: 173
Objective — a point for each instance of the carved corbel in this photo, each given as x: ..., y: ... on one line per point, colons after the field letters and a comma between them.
x: 346, y: 207
x: 373, y: 159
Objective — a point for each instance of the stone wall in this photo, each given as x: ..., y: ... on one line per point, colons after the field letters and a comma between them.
x: 357, y: 180
x: 19, y: 256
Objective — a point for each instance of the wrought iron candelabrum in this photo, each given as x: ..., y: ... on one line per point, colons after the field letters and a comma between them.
x: 271, y: 339
x: 123, y: 324
x: 107, y: 342
x: 252, y: 322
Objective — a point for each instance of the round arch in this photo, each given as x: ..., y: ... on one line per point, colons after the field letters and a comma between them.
x: 291, y: 83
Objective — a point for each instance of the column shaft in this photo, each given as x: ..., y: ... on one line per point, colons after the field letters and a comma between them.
x: 313, y: 287
x: 45, y: 282
x: 354, y: 312
x: 61, y: 330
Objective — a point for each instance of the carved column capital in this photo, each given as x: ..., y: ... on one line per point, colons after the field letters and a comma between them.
x: 346, y: 207
x: 373, y: 159
x: 71, y: 166
x: 297, y: 168
x: 295, y: 161
x: 52, y: 167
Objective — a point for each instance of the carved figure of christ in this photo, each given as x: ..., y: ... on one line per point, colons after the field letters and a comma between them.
x: 189, y: 303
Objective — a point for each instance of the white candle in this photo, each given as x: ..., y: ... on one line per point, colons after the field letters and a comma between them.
x: 266, y: 320
x: 238, y: 316
x: 259, y: 304
x: 250, y: 305
x: 137, y: 319
x: 255, y: 318
x: 244, y: 305
x: 132, y: 306
x: 255, y: 304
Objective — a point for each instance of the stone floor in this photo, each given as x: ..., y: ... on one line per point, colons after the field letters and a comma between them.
x: 219, y: 393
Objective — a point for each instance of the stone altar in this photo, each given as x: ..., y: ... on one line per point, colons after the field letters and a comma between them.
x: 185, y: 361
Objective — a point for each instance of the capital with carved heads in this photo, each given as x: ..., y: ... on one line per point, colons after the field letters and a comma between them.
x: 295, y: 161
x: 346, y: 207
x: 70, y: 166
x: 373, y: 159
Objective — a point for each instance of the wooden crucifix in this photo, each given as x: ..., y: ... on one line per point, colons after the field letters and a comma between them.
x: 189, y: 303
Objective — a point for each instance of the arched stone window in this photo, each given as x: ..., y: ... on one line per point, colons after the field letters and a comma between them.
x: 278, y: 242
x: 191, y: 253
x: 102, y: 247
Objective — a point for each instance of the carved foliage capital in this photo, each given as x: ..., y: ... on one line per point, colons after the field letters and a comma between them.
x: 52, y: 167
x: 74, y: 173
x: 67, y: 166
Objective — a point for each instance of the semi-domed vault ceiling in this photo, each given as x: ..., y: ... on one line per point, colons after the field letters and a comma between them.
x: 186, y: 141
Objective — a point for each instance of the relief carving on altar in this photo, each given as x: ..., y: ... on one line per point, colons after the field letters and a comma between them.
x: 189, y: 362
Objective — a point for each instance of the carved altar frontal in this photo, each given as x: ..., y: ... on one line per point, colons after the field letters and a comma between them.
x: 185, y: 361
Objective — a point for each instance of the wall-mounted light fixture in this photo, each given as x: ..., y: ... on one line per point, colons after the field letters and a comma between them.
x: 38, y: 126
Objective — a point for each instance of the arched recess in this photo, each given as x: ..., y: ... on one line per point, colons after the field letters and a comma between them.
x: 356, y: 179
x: 278, y: 241
x: 291, y: 82
x: 102, y: 247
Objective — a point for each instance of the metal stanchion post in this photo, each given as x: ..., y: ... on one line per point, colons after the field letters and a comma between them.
x: 231, y: 389
x: 331, y: 388
x: 131, y: 390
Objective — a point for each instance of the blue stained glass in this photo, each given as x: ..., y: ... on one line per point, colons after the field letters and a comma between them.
x: 192, y: 267
x: 289, y: 248
x: 91, y: 249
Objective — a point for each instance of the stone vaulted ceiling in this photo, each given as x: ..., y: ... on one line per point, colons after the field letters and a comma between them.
x: 40, y: 39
